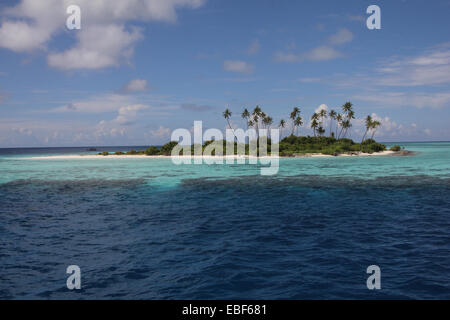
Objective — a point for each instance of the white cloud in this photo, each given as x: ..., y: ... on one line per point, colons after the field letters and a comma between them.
x: 128, y: 115
x: 254, y: 47
x: 161, y: 132
x: 403, y: 99
x: 308, y: 80
x: 321, y: 107
x: 392, y: 129
x: 100, y: 104
x: 136, y: 85
x: 21, y: 36
x: 342, y: 36
x: 31, y: 25
x: 317, y: 110
x: 388, y: 130
x: 322, y: 53
x: 431, y: 68
x: 237, y: 66
x: 102, y: 46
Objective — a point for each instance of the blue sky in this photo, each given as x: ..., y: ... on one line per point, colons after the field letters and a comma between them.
x: 138, y: 69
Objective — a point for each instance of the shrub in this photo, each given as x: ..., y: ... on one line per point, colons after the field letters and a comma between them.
x: 368, y: 141
x: 167, y: 148
x: 151, y: 151
x: 395, y: 148
x: 373, y: 147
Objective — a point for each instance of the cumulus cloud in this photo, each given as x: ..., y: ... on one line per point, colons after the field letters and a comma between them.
x: 136, y: 85
x: 161, y: 132
x: 237, y: 66
x: 128, y: 114
x: 105, y: 39
x: 391, y: 129
x: 317, y: 110
x: 321, y: 107
x: 100, y: 47
x: 342, y: 36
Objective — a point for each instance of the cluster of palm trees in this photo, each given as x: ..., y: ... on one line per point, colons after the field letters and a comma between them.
x: 258, y: 119
x: 371, y: 125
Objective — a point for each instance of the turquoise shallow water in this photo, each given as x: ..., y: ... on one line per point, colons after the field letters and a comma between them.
x: 432, y: 159
x: 148, y: 229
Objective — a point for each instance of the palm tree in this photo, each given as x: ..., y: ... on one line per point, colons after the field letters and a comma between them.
x: 294, y: 114
x: 314, y: 125
x: 332, y: 115
x: 322, y: 115
x: 339, y: 119
x: 227, y: 115
x: 262, y: 115
x: 350, y: 116
x: 315, y: 122
x: 298, y: 122
x: 267, y: 122
x: 320, y: 131
x: 345, y: 126
x: 347, y: 108
x: 281, y: 126
x: 375, y: 125
x: 368, y: 122
x: 256, y: 116
x: 245, y: 115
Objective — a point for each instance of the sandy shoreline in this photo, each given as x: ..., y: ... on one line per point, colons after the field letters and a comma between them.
x: 311, y: 155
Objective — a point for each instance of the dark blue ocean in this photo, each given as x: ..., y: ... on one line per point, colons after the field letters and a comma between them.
x: 149, y: 229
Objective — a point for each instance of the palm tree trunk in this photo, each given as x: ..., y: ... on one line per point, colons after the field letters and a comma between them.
x: 365, y: 133
x: 340, y: 132
x: 235, y: 138
x: 373, y: 133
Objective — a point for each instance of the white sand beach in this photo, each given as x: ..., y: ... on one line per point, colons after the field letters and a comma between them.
x: 140, y: 156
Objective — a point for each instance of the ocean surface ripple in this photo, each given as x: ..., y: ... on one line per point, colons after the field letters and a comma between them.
x: 303, y: 236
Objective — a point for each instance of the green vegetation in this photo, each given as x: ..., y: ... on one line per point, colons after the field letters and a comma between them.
x: 337, y: 141
x: 294, y: 145
x: 396, y: 148
x: 152, y: 151
x: 167, y: 148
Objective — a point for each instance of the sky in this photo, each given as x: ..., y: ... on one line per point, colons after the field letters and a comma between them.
x: 138, y: 69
